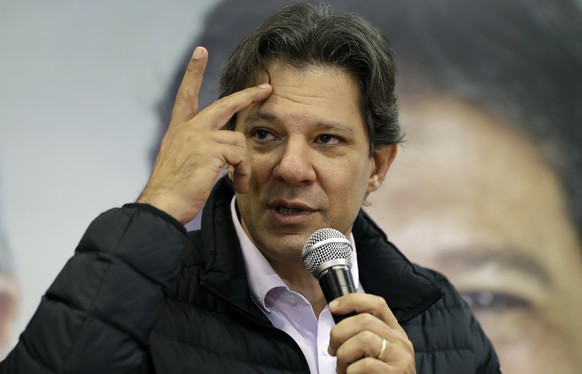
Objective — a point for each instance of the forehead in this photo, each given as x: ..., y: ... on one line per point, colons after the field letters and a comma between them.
x: 317, y: 93
x: 323, y: 75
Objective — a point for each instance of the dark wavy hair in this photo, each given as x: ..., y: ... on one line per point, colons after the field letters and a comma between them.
x: 302, y: 35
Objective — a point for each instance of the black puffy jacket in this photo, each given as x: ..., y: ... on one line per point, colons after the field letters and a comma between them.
x: 141, y: 296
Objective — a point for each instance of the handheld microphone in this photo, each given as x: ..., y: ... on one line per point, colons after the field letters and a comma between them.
x: 327, y: 255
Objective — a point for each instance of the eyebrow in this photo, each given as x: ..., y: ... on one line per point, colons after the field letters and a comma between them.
x: 261, y: 116
x: 507, y: 258
x: 324, y: 126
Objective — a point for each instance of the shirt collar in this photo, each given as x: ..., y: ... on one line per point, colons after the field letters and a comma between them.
x: 263, y: 279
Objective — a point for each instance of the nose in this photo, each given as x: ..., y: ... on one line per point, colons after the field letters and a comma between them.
x: 296, y: 163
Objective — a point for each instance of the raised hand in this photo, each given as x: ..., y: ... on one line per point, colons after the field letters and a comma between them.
x: 195, y: 148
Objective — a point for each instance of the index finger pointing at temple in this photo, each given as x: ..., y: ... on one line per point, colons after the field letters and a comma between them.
x: 219, y: 113
x: 186, y: 105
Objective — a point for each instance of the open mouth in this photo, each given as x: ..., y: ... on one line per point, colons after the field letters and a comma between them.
x: 287, y: 211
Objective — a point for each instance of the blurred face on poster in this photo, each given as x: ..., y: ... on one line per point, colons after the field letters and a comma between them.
x: 9, y: 295
x: 8, y: 303
x: 476, y: 200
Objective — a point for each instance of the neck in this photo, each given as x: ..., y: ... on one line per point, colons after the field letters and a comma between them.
x: 299, y: 280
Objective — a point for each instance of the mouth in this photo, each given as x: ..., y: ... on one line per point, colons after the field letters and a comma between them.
x: 288, y: 211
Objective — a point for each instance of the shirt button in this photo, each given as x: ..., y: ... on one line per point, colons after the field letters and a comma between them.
x: 292, y: 300
x: 324, y: 350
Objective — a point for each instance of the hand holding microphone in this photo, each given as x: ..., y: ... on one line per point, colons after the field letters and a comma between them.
x: 369, y: 339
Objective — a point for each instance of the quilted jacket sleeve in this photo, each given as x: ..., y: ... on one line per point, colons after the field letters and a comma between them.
x: 97, y: 315
x: 487, y: 360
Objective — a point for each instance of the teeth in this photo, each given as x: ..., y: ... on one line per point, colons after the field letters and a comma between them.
x: 284, y: 210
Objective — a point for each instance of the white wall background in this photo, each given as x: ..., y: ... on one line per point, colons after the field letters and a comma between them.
x: 78, y: 84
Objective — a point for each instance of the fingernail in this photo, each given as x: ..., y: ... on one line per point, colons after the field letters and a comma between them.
x: 198, y: 53
x: 264, y: 85
x: 333, y: 304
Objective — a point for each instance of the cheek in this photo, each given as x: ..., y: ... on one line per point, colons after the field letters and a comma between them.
x: 359, y: 179
x: 348, y: 188
x: 261, y: 167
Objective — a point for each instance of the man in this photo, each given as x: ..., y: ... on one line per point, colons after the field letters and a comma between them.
x: 487, y: 188
x: 308, y: 147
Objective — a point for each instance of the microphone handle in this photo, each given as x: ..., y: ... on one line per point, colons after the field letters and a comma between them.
x: 337, y: 281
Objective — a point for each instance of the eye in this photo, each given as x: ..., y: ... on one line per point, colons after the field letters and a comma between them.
x: 494, y: 302
x: 262, y: 135
x: 328, y: 139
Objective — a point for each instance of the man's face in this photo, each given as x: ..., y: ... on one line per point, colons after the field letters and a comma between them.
x: 475, y: 200
x: 308, y: 149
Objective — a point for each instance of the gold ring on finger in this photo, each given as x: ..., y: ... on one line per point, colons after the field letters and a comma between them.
x: 382, y: 350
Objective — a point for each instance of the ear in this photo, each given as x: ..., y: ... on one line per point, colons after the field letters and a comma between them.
x: 382, y: 159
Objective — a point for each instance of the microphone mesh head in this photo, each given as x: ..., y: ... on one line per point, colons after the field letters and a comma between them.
x: 325, y: 245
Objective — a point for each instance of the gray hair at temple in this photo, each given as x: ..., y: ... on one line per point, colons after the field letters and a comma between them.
x: 518, y: 59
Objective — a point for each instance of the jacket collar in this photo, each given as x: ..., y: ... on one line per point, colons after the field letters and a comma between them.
x: 384, y: 270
